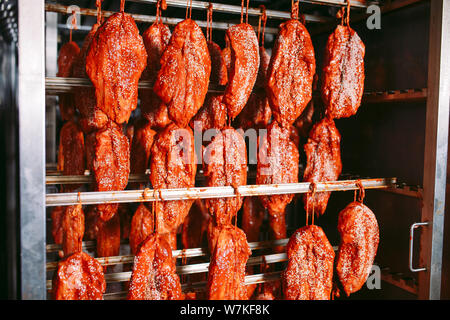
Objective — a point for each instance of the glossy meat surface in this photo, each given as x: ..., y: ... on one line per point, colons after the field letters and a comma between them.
x: 343, y: 74
x: 256, y: 113
x: 183, y: 79
x: 309, y: 272
x: 57, y: 215
x: 219, y: 72
x: 277, y: 229
x: 142, y: 225
x: 72, y: 229
x: 173, y: 164
x: 252, y: 218
x: 79, y: 277
x: 125, y: 215
x: 154, y: 274
x: 278, y: 160
x: 358, y: 228
x: 108, y: 237
x: 141, y: 147
x: 114, y: 62
x: 66, y: 58
x: 264, y: 61
x: 227, y: 268
x: 243, y: 68
x: 71, y: 153
x: 212, y: 115
x: 195, y: 226
x: 323, y: 162
x: 225, y: 164
x: 110, y: 164
x: 91, y: 222
x: 291, y: 72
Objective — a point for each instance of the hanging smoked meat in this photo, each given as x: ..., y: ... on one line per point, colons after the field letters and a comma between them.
x: 343, y: 73
x: 291, y: 72
x: 57, y: 216
x: 140, y: 149
x: 304, y: 123
x: 226, y: 277
x: 156, y: 38
x: 277, y: 229
x: 91, y: 223
x: 225, y: 164
x: 264, y: 61
x: 79, y: 277
x: 252, y: 218
x: 195, y: 226
x: 91, y: 117
x: 323, y: 162
x: 154, y: 274
x: 219, y: 72
x: 110, y: 164
x: 71, y: 153
x: 142, y: 225
x: 212, y: 115
x: 114, y: 62
x: 309, y: 272
x: 182, y: 81
x: 359, y: 233
x: 256, y: 113
x: 108, y: 237
x: 278, y: 160
x: 72, y: 229
x: 66, y: 58
x: 173, y: 164
x: 243, y: 70
x: 125, y: 215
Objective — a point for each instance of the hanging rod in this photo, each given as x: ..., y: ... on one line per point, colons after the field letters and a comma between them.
x: 66, y: 199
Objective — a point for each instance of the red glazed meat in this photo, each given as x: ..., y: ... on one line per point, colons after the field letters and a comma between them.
x: 57, y: 215
x: 108, y: 237
x: 72, y: 229
x: 252, y: 217
x: 219, y: 72
x: 256, y: 113
x: 142, y: 225
x: 212, y: 115
x: 66, y: 58
x: 195, y: 226
x: 141, y: 147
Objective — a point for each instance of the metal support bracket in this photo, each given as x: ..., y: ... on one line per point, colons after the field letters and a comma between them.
x: 411, y: 245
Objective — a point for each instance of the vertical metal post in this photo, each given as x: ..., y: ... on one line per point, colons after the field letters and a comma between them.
x: 31, y: 108
x: 51, y: 56
x: 436, y: 143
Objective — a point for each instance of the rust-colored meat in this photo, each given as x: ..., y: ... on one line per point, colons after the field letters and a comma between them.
x: 264, y: 60
x: 278, y: 160
x: 252, y: 218
x: 304, y: 123
x: 91, y: 223
x: 225, y: 164
x: 256, y: 113
x: 291, y: 72
x: 72, y: 229
x: 343, y: 73
x: 108, y: 237
x: 195, y: 226
x: 79, y: 277
x: 57, y: 215
x: 309, y: 272
x: 277, y: 229
x: 156, y: 38
x: 243, y: 70
x: 173, y: 164
x: 154, y: 274
x: 182, y: 81
x: 226, y: 275
x: 91, y: 117
x: 110, y: 164
x: 141, y: 148
x: 212, y: 115
x: 142, y: 225
x: 359, y: 232
x: 114, y: 62
x: 323, y: 162
x: 125, y: 215
x: 219, y: 72
x: 71, y: 153
x: 66, y: 58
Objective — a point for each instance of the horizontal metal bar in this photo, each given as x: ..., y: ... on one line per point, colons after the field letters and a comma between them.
x: 66, y: 199
x: 408, y: 95
x: 88, y: 178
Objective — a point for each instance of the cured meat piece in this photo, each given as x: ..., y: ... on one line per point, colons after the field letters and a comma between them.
x: 142, y: 225
x: 252, y: 218
x: 195, y: 226
x: 108, y: 237
x: 304, y: 123
x: 309, y: 272
x: 140, y: 149
x: 256, y: 113
x: 153, y: 109
x: 212, y: 115
x: 91, y: 117
x: 270, y: 291
x: 278, y: 160
x: 114, y: 63
x: 79, y: 277
x: 212, y: 234
x: 226, y: 275
x: 343, y: 73
x: 323, y: 162
x: 111, y: 165
x: 359, y: 232
x: 57, y: 216
x: 182, y: 82
x: 173, y: 164
x: 219, y: 72
x: 154, y: 274
x: 277, y: 231
x: 263, y: 67
x: 291, y: 72
x: 243, y: 69
x: 72, y: 229
x: 225, y: 164
x: 67, y: 56
x: 71, y: 153
x: 226, y: 56
x: 125, y: 220
x: 91, y: 223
